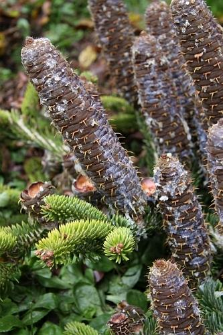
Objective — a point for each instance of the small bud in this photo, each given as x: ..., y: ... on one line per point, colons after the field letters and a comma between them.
x: 33, y: 197
x: 148, y: 186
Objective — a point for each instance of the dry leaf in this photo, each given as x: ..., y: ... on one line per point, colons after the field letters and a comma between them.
x: 87, y: 56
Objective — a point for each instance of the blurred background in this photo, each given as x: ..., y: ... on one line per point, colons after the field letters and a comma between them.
x: 69, y: 27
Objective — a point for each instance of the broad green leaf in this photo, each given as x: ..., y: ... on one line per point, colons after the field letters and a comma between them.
x: 47, y: 301
x: 7, y: 307
x: 103, y: 264
x: 32, y: 317
x: 4, y: 199
x: 137, y: 298
x: 86, y: 297
x: 132, y: 275
x: 99, y: 323
x: 50, y: 329
x: 9, y: 322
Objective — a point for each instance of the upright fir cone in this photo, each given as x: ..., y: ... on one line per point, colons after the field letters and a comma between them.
x: 183, y: 219
x: 174, y: 306
x: 128, y: 320
x: 32, y: 198
x: 158, y: 96
x: 160, y: 24
x: 116, y: 35
x: 215, y: 167
x: 80, y: 117
x: 201, y: 42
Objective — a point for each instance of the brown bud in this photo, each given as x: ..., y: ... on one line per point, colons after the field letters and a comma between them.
x: 173, y: 304
x: 183, y: 219
x: 116, y: 35
x: 201, y: 42
x: 215, y: 168
x: 148, y: 186
x: 33, y: 197
x: 81, y: 120
x: 83, y: 184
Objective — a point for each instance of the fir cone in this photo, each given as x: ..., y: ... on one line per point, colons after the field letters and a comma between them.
x: 201, y: 42
x: 160, y: 24
x: 82, y: 121
x: 116, y: 35
x: 158, y: 96
x: 174, y: 306
x: 33, y: 197
x: 183, y: 219
x: 215, y: 167
x: 128, y: 320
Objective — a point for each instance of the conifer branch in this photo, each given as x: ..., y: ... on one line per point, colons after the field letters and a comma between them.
x: 78, y: 328
x: 183, y: 219
x: 210, y: 297
x: 173, y: 304
x: 9, y: 273
x: 7, y: 241
x: 201, y: 41
x: 81, y: 119
x: 84, y: 237
x: 62, y: 209
x: 21, y: 129
x: 116, y: 36
x: 119, y: 244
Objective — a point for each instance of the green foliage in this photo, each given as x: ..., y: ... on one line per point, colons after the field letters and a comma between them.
x: 30, y: 102
x: 60, y: 208
x: 34, y: 169
x: 26, y: 236
x: 78, y: 328
x: 84, y: 237
x: 117, y: 104
x: 9, y: 273
x: 150, y: 326
x: 7, y: 241
x: 9, y: 197
x: 210, y: 296
x: 119, y: 244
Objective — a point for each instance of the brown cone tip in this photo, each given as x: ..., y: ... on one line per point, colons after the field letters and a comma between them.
x: 84, y: 184
x: 29, y: 40
x: 35, y: 188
